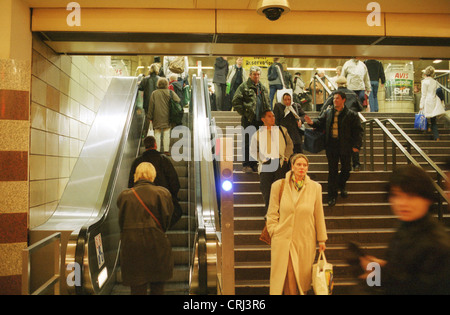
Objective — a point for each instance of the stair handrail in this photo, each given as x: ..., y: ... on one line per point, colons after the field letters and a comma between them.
x: 396, y: 144
x: 318, y: 79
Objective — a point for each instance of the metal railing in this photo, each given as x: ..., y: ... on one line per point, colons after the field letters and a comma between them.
x: 207, y: 237
x: 326, y: 92
x: 410, y: 144
x: 26, y: 266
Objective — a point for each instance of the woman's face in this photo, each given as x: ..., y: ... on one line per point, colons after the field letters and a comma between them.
x: 300, y: 167
x: 408, y: 207
x: 287, y: 100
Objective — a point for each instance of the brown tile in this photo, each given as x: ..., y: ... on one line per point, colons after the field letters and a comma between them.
x: 11, y: 285
x: 13, y: 165
x: 53, y: 98
x: 13, y: 227
x: 14, y: 105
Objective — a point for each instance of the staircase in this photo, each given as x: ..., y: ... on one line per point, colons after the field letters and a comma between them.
x: 364, y: 217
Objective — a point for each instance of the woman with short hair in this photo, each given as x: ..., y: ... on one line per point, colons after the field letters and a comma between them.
x: 144, y: 216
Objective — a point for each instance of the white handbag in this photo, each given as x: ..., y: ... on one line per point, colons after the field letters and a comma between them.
x: 151, y: 131
x: 322, y: 276
x: 283, y: 91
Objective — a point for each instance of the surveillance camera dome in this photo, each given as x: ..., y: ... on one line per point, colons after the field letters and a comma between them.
x: 273, y: 14
x: 273, y: 9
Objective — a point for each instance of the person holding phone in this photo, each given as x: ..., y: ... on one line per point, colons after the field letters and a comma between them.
x: 418, y: 256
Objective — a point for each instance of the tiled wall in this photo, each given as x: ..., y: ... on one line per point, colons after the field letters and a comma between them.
x: 66, y: 92
x: 14, y: 144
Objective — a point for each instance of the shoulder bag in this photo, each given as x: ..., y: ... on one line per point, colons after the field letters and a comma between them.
x: 175, y: 111
x: 265, y: 237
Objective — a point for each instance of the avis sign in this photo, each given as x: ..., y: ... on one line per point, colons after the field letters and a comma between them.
x: 399, y: 82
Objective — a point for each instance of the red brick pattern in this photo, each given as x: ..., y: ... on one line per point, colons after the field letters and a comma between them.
x: 14, y: 105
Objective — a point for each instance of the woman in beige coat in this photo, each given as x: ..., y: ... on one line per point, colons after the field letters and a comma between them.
x: 295, y: 223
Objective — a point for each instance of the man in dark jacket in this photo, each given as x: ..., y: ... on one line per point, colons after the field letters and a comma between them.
x: 376, y: 73
x: 352, y: 102
x: 343, y: 135
x: 250, y: 101
x: 166, y: 175
x: 220, y: 81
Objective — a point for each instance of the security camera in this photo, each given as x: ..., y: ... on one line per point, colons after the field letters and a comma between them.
x: 273, y: 9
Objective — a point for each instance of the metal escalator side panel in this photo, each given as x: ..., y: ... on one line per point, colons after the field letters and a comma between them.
x: 87, y: 196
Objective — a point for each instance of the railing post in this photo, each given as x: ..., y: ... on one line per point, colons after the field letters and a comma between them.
x: 385, y: 159
x: 371, y: 147
x: 227, y: 210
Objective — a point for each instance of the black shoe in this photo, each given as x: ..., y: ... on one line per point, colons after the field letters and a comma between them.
x: 344, y: 193
x: 356, y: 168
x: 332, y: 202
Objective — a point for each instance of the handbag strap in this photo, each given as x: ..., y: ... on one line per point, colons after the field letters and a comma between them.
x: 146, y: 208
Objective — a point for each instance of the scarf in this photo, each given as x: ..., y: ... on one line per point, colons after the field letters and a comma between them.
x: 297, y: 184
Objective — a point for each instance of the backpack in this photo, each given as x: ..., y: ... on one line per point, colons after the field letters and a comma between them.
x: 175, y: 111
x: 177, y: 65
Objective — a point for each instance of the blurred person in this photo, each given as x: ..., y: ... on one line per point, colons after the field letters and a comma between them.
x: 220, y: 81
x: 287, y: 77
x: 316, y: 87
x: 418, y: 255
x: 296, y: 224
x: 148, y: 85
x: 299, y: 86
x: 343, y: 136
x: 146, y: 252
x: 166, y: 175
x: 236, y: 76
x: 376, y: 74
x: 338, y: 74
x: 272, y: 147
x: 430, y: 103
x: 250, y: 101
x: 158, y: 113
x: 275, y: 81
x: 291, y: 116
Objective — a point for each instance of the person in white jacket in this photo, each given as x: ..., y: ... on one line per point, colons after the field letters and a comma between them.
x: 357, y: 75
x: 430, y: 104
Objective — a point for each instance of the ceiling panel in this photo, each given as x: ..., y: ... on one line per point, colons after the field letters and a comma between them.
x: 397, y: 6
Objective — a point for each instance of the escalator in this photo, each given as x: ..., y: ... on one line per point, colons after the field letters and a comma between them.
x: 87, y: 215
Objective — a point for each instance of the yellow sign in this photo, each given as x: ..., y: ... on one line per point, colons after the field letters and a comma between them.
x: 262, y: 62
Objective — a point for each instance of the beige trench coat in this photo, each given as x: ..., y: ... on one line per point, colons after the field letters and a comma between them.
x: 295, y: 225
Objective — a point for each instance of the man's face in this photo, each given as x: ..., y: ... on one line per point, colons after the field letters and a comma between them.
x: 239, y: 62
x: 255, y: 76
x: 268, y: 119
x: 339, y: 102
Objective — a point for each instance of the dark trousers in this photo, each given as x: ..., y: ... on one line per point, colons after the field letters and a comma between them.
x: 246, y: 137
x: 220, y: 91
x: 268, y: 178
x: 337, y: 180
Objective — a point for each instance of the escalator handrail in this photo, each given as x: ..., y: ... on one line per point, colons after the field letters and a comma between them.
x: 206, y: 212
x: 83, y: 234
